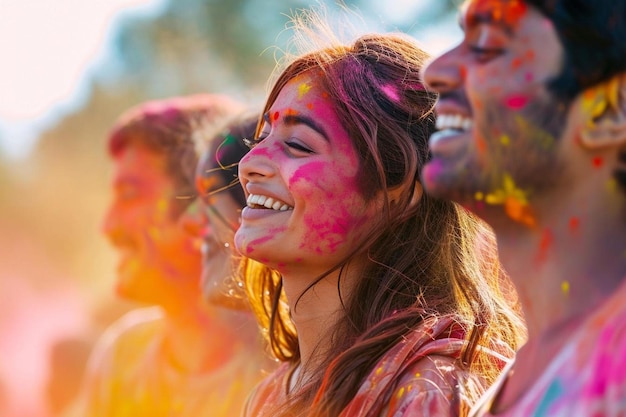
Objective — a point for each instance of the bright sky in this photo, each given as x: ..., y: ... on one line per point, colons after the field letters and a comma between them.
x: 46, y: 47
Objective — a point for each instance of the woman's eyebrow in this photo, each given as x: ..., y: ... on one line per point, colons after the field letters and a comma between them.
x: 293, y: 119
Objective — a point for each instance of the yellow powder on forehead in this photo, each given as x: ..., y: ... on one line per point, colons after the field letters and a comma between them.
x: 303, y: 89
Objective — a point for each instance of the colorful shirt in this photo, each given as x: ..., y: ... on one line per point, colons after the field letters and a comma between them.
x: 422, y: 372
x: 131, y: 376
x: 586, y: 378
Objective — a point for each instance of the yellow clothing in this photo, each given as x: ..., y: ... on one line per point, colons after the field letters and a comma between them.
x: 131, y: 374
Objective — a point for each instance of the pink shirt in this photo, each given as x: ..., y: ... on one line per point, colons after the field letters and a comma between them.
x: 586, y: 378
x: 422, y: 371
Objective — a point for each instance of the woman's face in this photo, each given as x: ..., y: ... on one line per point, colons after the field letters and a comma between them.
x: 305, y: 207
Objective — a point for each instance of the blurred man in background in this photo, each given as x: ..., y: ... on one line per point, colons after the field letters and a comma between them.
x: 172, y: 358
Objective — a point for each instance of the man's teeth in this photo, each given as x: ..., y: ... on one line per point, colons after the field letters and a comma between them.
x: 453, y: 121
x: 255, y: 200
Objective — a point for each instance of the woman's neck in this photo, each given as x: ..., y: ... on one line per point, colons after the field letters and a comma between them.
x: 315, y: 311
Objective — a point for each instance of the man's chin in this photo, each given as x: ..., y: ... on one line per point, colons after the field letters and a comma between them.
x: 129, y: 287
x: 442, y: 179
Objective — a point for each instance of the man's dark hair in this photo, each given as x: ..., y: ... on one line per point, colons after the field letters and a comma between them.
x: 593, y: 34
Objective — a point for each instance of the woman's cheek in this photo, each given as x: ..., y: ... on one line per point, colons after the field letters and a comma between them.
x: 331, y: 202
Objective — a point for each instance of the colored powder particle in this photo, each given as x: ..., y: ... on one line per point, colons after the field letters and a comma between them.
x: 275, y: 116
x: 509, y: 12
x: 309, y: 106
x: 529, y: 77
x: 481, y: 144
x: 611, y: 185
x: 505, y: 140
x: 391, y: 92
x: 463, y: 72
x: 544, y: 245
x: 574, y: 224
x: 479, y: 196
x: 565, y: 287
x: 303, y: 89
x: 517, y: 62
x: 597, y: 162
x: 554, y: 391
x: 516, y: 102
x: 229, y: 139
x: 519, y: 210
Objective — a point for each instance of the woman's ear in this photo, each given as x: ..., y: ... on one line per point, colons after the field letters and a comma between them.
x: 606, y: 106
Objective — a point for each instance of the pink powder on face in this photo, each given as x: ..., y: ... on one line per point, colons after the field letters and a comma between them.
x: 597, y: 162
x: 250, y: 247
x: 516, y: 102
x: 332, y: 218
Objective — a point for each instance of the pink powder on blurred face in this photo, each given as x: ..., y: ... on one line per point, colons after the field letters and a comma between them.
x: 516, y: 102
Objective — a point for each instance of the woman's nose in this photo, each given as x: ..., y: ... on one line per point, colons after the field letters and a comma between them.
x: 257, y: 163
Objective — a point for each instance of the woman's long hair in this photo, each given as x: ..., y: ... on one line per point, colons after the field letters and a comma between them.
x: 429, y: 257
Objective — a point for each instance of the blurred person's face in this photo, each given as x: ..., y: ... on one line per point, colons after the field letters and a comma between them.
x: 159, y: 261
x: 222, y: 214
x: 500, y: 129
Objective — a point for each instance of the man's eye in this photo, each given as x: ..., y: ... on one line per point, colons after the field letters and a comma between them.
x: 485, y: 54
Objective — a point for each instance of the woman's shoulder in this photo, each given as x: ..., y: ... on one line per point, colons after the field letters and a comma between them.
x: 269, y: 392
x: 418, y: 375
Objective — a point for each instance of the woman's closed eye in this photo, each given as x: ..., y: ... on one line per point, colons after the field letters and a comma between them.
x: 298, y: 147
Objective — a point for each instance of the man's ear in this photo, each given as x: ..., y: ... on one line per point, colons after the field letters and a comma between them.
x: 606, y: 106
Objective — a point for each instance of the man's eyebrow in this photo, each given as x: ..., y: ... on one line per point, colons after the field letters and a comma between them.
x: 471, y: 19
x: 294, y: 119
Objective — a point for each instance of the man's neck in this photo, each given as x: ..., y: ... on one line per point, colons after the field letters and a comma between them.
x: 566, y: 265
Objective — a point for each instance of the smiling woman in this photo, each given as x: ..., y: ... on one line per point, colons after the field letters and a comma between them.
x: 374, y: 295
